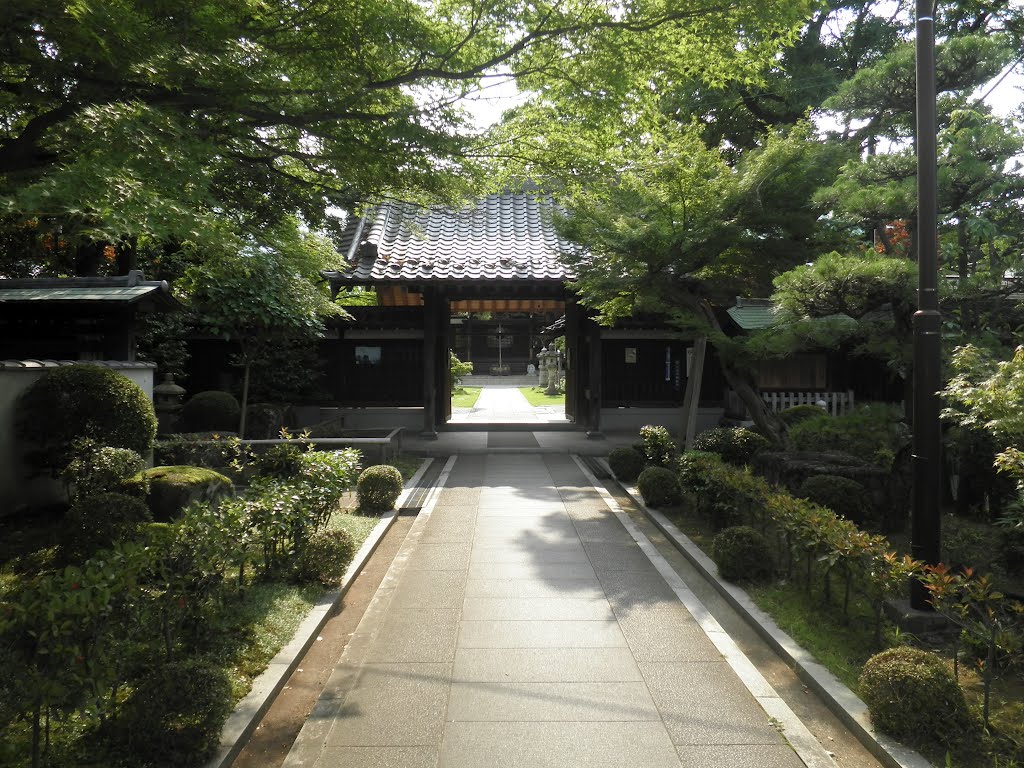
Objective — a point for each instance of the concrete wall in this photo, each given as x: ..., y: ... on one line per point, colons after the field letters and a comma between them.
x: 16, y: 488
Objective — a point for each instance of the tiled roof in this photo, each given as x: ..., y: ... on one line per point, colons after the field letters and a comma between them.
x: 74, y: 294
x: 123, y: 289
x: 507, y: 236
x: 116, y: 365
x: 752, y: 314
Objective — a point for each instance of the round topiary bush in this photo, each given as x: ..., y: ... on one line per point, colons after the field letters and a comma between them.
x: 97, y: 521
x: 175, y: 715
x: 171, y: 489
x: 98, y: 469
x: 325, y: 556
x: 627, y: 463
x: 378, y: 487
x: 743, y: 554
x: 912, y: 695
x: 211, y: 411
x: 736, y: 445
x: 659, y: 487
x: 846, y: 497
x: 82, y: 401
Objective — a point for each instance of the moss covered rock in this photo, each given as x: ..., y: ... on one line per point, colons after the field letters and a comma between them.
x: 171, y: 489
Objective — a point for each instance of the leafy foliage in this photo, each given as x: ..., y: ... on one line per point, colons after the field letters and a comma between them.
x: 98, y: 469
x: 626, y: 462
x: 175, y: 714
x: 378, y: 488
x: 210, y: 411
x: 912, y: 695
x: 83, y: 401
x: 659, y: 487
x: 658, y: 446
x: 736, y: 445
x: 846, y: 497
x: 874, y: 430
x: 743, y: 554
x: 98, y: 520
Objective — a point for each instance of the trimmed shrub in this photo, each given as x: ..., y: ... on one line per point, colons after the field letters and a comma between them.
x: 797, y: 413
x: 913, y: 695
x: 98, y: 469
x: 874, y: 431
x: 378, y: 487
x: 172, y: 489
x: 658, y: 445
x: 846, y: 497
x: 82, y: 401
x: 736, y: 445
x: 325, y: 556
x: 175, y: 715
x: 725, y: 495
x: 97, y: 521
x: 790, y: 470
x: 627, y: 463
x: 659, y: 487
x: 743, y: 554
x: 211, y: 410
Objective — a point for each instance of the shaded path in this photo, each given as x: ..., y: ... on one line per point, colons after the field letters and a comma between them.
x: 521, y: 625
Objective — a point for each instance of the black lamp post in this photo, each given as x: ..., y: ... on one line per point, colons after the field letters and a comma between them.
x: 925, y: 536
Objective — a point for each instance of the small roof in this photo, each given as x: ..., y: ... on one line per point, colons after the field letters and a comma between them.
x: 509, y: 236
x: 752, y: 314
x: 125, y: 289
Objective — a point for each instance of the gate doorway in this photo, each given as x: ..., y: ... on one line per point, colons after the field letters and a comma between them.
x: 518, y: 364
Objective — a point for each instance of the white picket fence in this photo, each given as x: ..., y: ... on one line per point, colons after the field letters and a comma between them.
x: 836, y: 403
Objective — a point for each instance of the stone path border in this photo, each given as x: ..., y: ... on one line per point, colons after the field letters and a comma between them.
x: 793, y: 729
x: 265, y: 688
x: 843, y: 702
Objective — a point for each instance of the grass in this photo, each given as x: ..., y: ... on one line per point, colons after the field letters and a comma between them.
x: 536, y: 396
x: 465, y: 397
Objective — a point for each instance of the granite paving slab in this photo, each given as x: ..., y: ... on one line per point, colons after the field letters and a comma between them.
x: 521, y: 625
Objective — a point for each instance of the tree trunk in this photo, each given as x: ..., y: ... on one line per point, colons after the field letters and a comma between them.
x: 769, y: 424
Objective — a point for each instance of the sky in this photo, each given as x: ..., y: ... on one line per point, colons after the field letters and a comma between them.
x: 1005, y: 94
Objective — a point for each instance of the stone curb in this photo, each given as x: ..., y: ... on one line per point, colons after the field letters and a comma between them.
x: 843, y: 702
x: 265, y: 688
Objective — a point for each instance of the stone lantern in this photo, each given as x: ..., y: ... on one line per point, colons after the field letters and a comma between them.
x: 542, y: 360
x: 167, y: 397
x: 554, y: 371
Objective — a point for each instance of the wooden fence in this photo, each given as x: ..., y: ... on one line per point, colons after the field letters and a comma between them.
x: 836, y: 403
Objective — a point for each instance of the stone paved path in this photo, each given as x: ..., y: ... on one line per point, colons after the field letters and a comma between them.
x: 522, y: 626
x: 506, y: 404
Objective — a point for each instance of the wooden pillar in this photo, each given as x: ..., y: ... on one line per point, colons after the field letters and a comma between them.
x: 594, y: 380
x: 573, y: 384
x: 430, y: 347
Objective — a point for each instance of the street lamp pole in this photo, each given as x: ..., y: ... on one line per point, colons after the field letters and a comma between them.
x: 925, y: 536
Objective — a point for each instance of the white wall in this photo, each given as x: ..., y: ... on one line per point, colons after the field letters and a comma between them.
x: 16, y: 488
